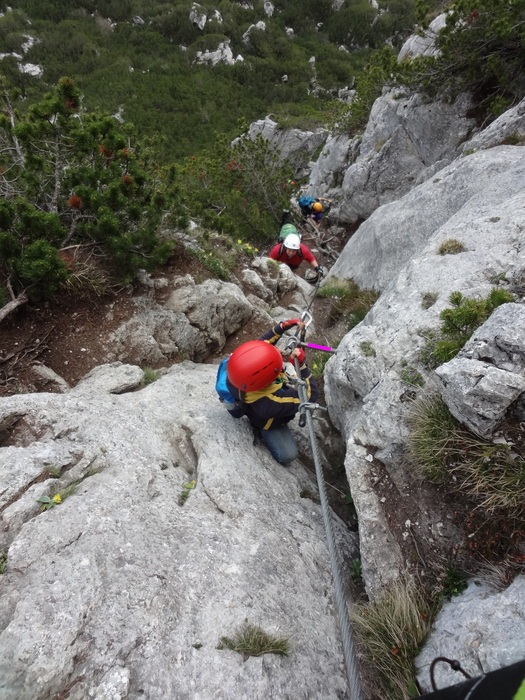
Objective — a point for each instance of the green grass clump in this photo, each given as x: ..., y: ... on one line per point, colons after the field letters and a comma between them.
x: 150, y: 375
x: 349, y: 303
x: 390, y: 631
x: 367, y: 348
x: 451, y: 247
x: 251, y: 640
x: 490, y: 474
x: 411, y: 376
x: 458, y: 324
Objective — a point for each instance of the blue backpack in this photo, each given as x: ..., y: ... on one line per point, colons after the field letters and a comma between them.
x: 233, y: 406
x: 305, y: 201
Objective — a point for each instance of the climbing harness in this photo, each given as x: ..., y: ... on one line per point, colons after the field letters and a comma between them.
x: 306, y: 409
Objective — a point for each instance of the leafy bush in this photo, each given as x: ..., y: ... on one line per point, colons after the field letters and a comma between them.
x: 40, y: 269
x: 481, y: 50
x: 239, y: 189
x: 459, y: 323
x: 72, y: 177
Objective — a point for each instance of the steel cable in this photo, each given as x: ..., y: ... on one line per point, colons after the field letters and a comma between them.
x: 349, y: 652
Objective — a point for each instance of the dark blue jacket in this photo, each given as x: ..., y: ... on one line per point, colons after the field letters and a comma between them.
x: 277, y: 404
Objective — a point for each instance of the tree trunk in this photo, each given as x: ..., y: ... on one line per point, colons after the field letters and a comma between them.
x: 20, y: 300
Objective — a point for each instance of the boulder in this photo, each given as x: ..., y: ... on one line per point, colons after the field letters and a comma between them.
x: 172, y: 532
x: 508, y: 128
x: 488, y: 375
x: 483, y: 628
x: 295, y: 145
x: 423, y: 44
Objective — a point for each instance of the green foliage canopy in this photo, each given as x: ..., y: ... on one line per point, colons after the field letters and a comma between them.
x: 482, y: 50
x: 239, y: 188
x: 71, y: 177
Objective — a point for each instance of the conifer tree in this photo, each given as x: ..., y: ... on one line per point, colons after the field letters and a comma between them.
x: 67, y: 178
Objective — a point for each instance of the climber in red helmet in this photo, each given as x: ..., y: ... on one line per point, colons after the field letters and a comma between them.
x: 257, y: 379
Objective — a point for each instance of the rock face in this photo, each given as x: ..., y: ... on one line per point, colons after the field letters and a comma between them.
x: 488, y: 375
x: 425, y: 44
x: 483, y: 628
x: 478, y: 201
x: 295, y: 145
x: 485, y: 187
x: 179, y: 530
x: 406, y: 141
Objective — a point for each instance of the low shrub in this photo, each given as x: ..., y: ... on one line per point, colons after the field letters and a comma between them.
x: 349, y: 303
x: 459, y: 323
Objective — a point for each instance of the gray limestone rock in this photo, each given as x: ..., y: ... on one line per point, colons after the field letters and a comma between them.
x: 488, y: 375
x: 293, y: 144
x: 509, y: 127
x: 483, y: 628
x: 178, y: 531
x: 478, y: 201
x: 475, y: 196
x: 423, y: 44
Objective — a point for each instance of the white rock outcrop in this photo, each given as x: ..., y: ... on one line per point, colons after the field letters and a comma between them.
x: 178, y: 531
x: 478, y: 201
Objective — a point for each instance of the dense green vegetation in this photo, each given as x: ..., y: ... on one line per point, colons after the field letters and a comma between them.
x: 73, y: 179
x: 136, y: 57
x: 74, y: 176
x: 482, y: 50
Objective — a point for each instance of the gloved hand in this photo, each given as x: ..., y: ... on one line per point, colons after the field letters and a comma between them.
x: 320, y: 271
x: 286, y: 325
x: 300, y: 354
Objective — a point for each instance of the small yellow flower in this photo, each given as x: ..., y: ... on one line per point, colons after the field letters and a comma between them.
x: 57, y: 498
x: 239, y: 241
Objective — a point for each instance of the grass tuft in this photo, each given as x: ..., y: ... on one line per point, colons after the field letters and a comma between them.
x: 492, y: 474
x: 390, y: 631
x: 349, y: 303
x: 150, y: 375
x: 251, y: 640
x: 3, y: 561
x: 451, y: 247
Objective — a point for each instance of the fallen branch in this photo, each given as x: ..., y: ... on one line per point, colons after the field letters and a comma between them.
x: 11, y: 306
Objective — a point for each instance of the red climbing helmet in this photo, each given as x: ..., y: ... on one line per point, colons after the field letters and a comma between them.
x: 254, y: 365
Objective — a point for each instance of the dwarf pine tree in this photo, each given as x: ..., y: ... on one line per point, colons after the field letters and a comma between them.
x: 239, y: 188
x: 67, y: 178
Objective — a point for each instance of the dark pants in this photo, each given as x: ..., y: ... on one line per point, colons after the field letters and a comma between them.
x: 281, y: 444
